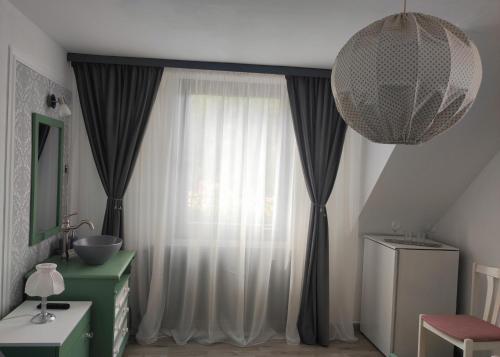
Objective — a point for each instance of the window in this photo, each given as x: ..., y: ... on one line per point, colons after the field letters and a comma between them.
x: 211, y: 208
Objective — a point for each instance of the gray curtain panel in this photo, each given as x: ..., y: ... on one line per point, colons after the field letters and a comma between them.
x: 116, y: 102
x: 320, y: 133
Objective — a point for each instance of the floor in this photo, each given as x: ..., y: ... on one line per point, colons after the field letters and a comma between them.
x: 167, y: 348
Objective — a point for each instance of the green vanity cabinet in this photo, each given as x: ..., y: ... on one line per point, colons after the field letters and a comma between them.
x: 69, y: 335
x: 107, y: 287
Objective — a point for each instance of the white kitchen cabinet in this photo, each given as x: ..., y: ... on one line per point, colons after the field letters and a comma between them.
x: 401, y: 281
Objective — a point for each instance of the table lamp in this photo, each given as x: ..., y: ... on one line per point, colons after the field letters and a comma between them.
x: 44, y: 282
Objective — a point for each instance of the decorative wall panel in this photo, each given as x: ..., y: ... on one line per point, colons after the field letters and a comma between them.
x: 31, y: 90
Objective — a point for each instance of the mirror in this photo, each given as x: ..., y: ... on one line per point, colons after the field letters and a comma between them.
x: 46, y: 177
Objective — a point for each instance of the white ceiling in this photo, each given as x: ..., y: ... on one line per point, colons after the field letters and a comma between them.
x: 280, y: 32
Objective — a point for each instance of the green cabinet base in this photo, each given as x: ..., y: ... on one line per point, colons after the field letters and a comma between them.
x: 76, y: 345
x: 102, y: 285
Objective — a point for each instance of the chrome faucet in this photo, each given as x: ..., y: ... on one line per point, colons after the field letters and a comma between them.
x: 67, y: 229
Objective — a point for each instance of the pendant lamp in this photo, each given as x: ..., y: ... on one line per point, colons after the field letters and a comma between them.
x: 406, y: 78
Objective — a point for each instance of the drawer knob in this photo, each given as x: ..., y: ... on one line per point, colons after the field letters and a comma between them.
x: 89, y: 334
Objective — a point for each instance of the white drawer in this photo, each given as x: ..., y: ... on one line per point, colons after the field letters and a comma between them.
x: 119, y: 308
x: 120, y: 336
x: 121, y: 297
x: 121, y: 320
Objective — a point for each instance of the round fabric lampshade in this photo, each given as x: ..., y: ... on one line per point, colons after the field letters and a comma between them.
x: 45, y: 281
x: 406, y: 78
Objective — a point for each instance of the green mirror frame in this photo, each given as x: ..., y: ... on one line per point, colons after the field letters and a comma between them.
x: 37, y: 119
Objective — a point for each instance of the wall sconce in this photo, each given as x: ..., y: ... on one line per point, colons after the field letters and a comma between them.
x: 52, y: 102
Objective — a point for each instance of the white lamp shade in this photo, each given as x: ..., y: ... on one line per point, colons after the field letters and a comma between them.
x: 64, y: 110
x: 406, y: 78
x: 45, y: 281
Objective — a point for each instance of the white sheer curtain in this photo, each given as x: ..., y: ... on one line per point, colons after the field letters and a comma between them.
x: 217, y: 211
x: 344, y: 208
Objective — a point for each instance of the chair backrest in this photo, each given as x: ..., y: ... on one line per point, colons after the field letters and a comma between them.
x: 492, y: 301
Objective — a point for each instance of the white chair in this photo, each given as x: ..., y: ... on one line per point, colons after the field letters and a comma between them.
x: 465, y: 331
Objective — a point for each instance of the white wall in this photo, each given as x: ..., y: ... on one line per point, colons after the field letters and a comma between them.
x: 473, y: 225
x: 87, y: 193
x: 38, y: 50
x: 374, y: 157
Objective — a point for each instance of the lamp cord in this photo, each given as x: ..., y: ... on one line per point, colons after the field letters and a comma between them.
x: 16, y: 317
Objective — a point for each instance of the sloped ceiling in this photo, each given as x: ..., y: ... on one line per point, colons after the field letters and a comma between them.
x: 419, y: 183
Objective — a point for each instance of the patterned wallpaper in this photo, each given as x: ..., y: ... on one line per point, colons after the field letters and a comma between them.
x: 31, y: 92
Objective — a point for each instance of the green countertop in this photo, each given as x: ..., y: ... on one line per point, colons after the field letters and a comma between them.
x: 75, y: 268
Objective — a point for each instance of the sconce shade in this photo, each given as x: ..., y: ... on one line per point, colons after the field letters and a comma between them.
x: 64, y: 110
x: 45, y: 281
x: 406, y: 78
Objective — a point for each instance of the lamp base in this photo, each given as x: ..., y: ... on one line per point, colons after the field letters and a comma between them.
x: 43, y: 318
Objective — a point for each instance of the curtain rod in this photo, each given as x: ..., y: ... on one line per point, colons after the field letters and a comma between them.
x: 216, y: 66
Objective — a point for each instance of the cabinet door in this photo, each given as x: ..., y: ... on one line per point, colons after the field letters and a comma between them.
x: 427, y: 284
x: 377, y: 297
x: 78, y: 342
